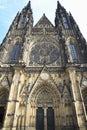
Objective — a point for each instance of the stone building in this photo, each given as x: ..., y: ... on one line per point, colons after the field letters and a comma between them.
x: 43, y: 74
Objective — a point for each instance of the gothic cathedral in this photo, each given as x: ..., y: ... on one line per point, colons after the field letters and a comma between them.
x: 43, y: 74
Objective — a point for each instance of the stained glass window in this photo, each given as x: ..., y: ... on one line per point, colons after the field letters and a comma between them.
x: 15, y: 54
x: 44, y: 53
x: 22, y: 22
x: 73, y: 52
x: 65, y: 22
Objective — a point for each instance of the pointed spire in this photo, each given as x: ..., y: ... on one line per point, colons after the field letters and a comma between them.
x: 29, y: 5
x: 60, y: 7
x: 58, y: 4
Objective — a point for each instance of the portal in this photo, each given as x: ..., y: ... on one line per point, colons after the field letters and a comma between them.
x: 45, y: 122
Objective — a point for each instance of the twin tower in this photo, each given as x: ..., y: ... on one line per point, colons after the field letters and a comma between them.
x: 43, y: 74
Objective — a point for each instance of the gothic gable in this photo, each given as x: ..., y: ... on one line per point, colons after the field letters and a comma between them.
x: 44, y: 23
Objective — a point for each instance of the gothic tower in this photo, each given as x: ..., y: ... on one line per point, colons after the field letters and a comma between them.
x: 43, y: 74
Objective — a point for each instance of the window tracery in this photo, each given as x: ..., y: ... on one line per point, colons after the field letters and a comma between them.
x: 16, y: 50
x: 44, y: 53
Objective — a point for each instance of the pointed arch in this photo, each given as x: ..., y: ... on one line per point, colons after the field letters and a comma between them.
x: 49, y: 89
x: 16, y: 49
x: 71, y: 45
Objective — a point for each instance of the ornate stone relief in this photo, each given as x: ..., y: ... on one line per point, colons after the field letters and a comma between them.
x: 44, y: 98
x: 24, y: 93
x: 84, y: 81
x: 44, y: 53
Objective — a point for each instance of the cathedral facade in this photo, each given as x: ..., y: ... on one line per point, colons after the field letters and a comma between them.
x: 43, y: 74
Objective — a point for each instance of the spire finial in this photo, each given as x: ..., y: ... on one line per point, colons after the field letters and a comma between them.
x: 60, y: 7
x: 44, y: 14
x: 58, y: 4
x: 29, y: 4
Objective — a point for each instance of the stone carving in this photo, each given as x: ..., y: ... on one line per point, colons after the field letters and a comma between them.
x: 84, y: 82
x: 44, y: 53
x: 24, y: 94
x: 44, y: 98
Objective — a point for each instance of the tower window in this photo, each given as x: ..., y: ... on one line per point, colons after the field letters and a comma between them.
x: 15, y: 54
x: 73, y: 52
x: 22, y: 22
x: 65, y: 22
x: 23, y: 19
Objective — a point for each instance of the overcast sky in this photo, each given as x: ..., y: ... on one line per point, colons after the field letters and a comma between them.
x: 9, y: 8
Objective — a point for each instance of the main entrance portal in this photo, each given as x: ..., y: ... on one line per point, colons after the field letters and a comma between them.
x: 45, y: 102
x: 45, y: 119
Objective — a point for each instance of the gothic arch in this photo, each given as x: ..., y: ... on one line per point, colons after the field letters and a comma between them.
x: 17, y: 40
x: 49, y: 88
x: 70, y: 40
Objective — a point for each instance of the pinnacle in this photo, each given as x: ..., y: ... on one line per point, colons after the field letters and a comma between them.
x: 58, y: 4
x: 29, y: 4
x: 44, y: 14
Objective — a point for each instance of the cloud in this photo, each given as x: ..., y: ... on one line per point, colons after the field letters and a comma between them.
x: 2, y: 7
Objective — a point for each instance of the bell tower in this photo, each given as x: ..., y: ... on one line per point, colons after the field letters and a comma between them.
x: 13, y: 43
x: 69, y: 31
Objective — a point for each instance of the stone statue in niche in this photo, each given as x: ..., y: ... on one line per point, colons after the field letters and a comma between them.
x: 21, y: 108
x: 24, y: 93
x: 84, y: 81
x: 23, y: 99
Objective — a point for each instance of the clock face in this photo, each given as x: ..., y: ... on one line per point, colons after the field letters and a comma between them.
x: 44, y: 53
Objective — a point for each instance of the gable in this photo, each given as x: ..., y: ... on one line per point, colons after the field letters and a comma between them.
x: 44, y: 23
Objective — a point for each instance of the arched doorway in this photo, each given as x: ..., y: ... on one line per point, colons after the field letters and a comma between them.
x: 45, y: 100
x: 45, y: 111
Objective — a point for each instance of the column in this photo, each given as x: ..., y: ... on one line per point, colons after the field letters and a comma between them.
x: 45, y: 118
x: 77, y: 100
x: 19, y: 108
x: 28, y: 115
x: 34, y: 116
x: 12, y: 102
x: 56, y: 116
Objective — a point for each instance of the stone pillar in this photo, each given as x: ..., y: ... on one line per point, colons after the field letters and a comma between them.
x: 34, y: 116
x: 20, y: 108
x: 12, y: 102
x: 56, y: 117
x: 23, y: 124
x: 81, y: 119
x: 45, y: 118
x: 28, y: 115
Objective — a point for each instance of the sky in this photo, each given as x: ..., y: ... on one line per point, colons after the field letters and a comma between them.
x: 9, y: 9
